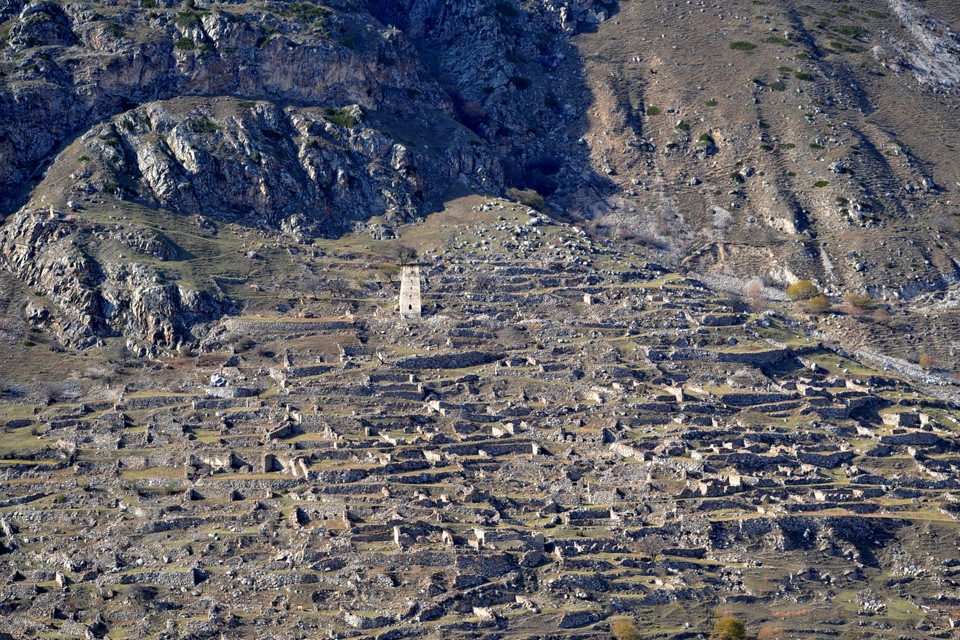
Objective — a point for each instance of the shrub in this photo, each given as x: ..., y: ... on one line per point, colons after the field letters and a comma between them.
x: 742, y: 45
x: 188, y: 19
x: 858, y: 301
x: 653, y: 111
x: 819, y: 184
x: 927, y: 361
x: 185, y: 44
x: 305, y: 12
x: 818, y: 304
x: 341, y: 117
x: 802, y: 290
x: 853, y: 31
x: 728, y: 628
x: 203, y: 125
x: 528, y: 197
x: 711, y: 103
x: 682, y: 126
x: 803, y: 75
x: 624, y: 630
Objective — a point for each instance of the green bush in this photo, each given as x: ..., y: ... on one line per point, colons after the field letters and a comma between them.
x: 203, y: 125
x: 802, y: 290
x: 742, y: 45
x: 528, y: 197
x: 852, y: 31
x: 728, y: 628
x: 803, y: 75
x: 711, y: 103
x: 185, y: 43
x: 653, y: 111
x: 305, y: 12
x: 341, y: 117
x: 817, y: 304
x: 188, y: 18
x: 858, y: 301
x: 819, y: 184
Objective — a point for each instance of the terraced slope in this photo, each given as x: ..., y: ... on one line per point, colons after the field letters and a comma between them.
x: 568, y: 437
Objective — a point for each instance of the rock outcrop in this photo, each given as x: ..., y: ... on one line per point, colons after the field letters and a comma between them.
x: 89, y: 298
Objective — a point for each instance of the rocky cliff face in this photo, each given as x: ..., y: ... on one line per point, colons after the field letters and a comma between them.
x: 67, y: 67
x: 297, y: 118
x: 316, y: 170
x: 84, y: 298
x: 775, y: 141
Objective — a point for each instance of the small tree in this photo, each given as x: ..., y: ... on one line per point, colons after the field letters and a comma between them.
x: 802, y: 290
x: 817, y: 304
x: 624, y: 630
x: 753, y: 291
x: 728, y: 628
x: 857, y: 302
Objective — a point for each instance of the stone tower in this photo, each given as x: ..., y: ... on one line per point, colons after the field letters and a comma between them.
x: 410, y: 291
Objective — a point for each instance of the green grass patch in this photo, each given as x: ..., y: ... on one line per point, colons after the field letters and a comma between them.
x: 742, y: 45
